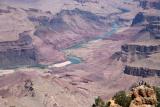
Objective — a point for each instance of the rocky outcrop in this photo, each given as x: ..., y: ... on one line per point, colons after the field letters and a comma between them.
x: 139, y: 95
x: 17, y: 53
x: 139, y: 18
x: 156, y: 5
x: 143, y: 96
x: 136, y: 51
x: 145, y: 4
x: 140, y: 71
x: 140, y: 49
x: 143, y: 18
x: 154, y: 27
x: 138, y: 57
x: 151, y: 23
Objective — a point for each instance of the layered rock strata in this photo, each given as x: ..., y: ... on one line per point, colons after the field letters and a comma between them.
x: 135, y: 51
x: 17, y: 53
x: 145, y: 4
x: 140, y: 58
x: 151, y: 23
x: 140, y: 71
x: 154, y: 28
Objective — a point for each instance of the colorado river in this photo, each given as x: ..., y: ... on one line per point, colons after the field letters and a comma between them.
x: 115, y: 28
x: 76, y: 60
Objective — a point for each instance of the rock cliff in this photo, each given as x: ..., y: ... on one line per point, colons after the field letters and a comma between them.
x: 137, y: 55
x: 17, y: 53
x: 151, y: 23
x: 140, y: 71
x: 145, y: 4
x: 139, y: 18
x: 137, y: 50
x: 140, y: 49
x: 140, y: 58
x: 154, y: 27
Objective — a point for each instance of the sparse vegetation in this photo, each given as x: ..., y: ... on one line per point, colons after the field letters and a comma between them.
x: 100, y: 103
x: 157, y: 90
x: 148, y: 95
x: 158, y: 104
x: 29, y: 88
x: 122, y: 99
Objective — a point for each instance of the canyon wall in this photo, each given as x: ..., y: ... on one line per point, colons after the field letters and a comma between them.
x: 132, y: 52
x: 140, y: 71
x: 150, y: 22
x: 139, y: 60
x: 145, y: 4
x: 17, y: 53
x: 139, y: 56
x: 154, y: 27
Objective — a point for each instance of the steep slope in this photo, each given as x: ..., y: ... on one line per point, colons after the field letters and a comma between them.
x: 18, y: 53
x: 137, y: 54
x: 25, y: 89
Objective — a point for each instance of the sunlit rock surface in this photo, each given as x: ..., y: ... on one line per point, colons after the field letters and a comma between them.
x: 75, y: 50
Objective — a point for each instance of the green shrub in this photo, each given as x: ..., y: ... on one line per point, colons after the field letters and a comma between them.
x: 122, y: 99
x: 158, y: 104
x: 157, y: 90
x: 100, y: 103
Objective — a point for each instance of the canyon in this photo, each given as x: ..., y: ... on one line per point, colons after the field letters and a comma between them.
x: 66, y: 53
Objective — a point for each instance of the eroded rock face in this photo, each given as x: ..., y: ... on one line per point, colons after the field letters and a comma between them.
x: 139, y: 18
x: 17, y: 53
x: 150, y: 22
x: 69, y: 27
x: 145, y: 4
x: 140, y: 49
x: 154, y: 27
x: 139, y: 60
x: 133, y: 52
x: 140, y: 71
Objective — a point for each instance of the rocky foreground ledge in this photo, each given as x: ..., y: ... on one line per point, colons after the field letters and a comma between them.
x: 140, y: 95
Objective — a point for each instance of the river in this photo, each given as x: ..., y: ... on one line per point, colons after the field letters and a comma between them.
x: 115, y: 28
